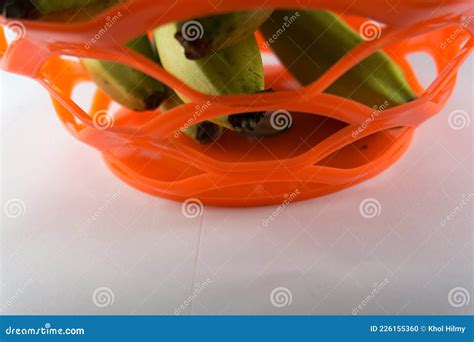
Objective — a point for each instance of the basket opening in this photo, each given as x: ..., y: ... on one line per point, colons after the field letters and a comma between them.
x: 363, y: 150
x: 424, y: 67
x: 307, y: 130
x: 76, y: 81
x: 83, y: 94
x: 231, y: 148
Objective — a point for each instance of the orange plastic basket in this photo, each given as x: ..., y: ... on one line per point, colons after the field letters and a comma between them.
x: 319, y: 155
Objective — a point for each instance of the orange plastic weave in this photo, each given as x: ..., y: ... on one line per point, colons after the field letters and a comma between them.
x: 319, y: 155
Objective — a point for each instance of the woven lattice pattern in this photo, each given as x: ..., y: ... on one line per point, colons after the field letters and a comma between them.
x: 325, y: 151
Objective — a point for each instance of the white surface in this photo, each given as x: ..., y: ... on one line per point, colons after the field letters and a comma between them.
x: 83, y: 229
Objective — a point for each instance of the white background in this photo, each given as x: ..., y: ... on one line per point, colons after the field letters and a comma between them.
x: 151, y: 257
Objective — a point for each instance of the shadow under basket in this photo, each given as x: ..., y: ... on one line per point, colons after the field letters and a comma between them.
x: 333, y: 143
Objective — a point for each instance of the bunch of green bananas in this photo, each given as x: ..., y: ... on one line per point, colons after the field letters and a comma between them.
x: 316, y: 40
x: 219, y: 55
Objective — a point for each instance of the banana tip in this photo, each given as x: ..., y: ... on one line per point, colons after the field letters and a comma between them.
x: 207, y: 132
x: 193, y: 49
x: 245, y: 123
x: 154, y: 100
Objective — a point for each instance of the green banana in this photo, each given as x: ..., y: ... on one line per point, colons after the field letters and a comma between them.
x: 204, y: 132
x: 50, y: 10
x: 325, y: 38
x: 202, y: 37
x: 129, y: 87
x: 237, y: 69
